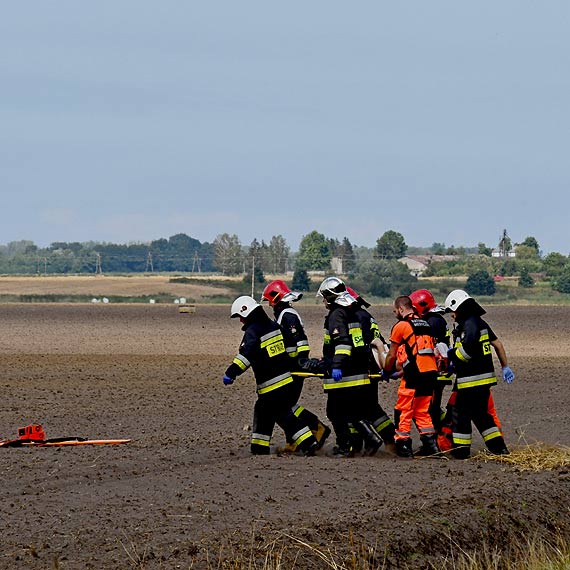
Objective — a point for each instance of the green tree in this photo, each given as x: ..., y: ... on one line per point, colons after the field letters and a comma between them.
x: 525, y: 279
x: 383, y: 278
x: 480, y: 283
x: 438, y: 248
x: 391, y: 245
x: 344, y: 250
x: 562, y: 282
x: 526, y: 252
x: 508, y: 268
x: 258, y: 276
x: 532, y: 243
x: 301, y: 280
x: 554, y: 263
x: 483, y: 249
x: 314, y: 252
x: 278, y: 254
x: 228, y: 254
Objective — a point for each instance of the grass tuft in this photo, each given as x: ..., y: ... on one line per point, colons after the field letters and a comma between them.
x: 532, y: 457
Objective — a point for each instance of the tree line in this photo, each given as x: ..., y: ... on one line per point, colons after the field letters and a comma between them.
x: 374, y: 270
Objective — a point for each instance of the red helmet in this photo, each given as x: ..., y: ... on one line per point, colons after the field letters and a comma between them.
x: 352, y: 292
x: 275, y: 291
x: 360, y: 300
x: 423, y: 301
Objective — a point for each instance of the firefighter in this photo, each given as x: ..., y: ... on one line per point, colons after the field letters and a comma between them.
x: 346, y: 380
x: 280, y: 297
x: 379, y: 419
x: 412, y: 348
x: 426, y: 307
x: 263, y: 349
x: 475, y: 374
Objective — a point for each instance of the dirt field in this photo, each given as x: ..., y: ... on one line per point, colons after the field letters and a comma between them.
x: 187, y: 494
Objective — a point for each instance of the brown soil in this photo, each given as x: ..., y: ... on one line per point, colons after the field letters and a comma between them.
x: 187, y: 493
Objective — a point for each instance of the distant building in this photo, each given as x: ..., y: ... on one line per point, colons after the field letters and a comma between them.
x: 500, y: 253
x: 417, y: 264
x: 505, y: 247
x: 337, y: 266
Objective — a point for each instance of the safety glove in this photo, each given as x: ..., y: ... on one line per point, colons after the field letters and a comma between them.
x: 336, y: 374
x: 508, y: 374
x: 227, y: 380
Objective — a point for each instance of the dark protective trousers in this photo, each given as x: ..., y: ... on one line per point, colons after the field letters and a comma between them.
x: 345, y: 406
x: 306, y: 416
x: 276, y: 407
x: 472, y: 406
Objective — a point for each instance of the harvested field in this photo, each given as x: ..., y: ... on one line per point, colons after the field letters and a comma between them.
x: 186, y: 492
x: 107, y: 285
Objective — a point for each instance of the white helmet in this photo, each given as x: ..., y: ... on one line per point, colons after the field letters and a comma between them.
x: 455, y: 299
x: 331, y: 288
x: 243, y: 306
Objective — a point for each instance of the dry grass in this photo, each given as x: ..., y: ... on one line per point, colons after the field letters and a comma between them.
x: 103, y: 285
x: 532, y: 457
x: 532, y: 554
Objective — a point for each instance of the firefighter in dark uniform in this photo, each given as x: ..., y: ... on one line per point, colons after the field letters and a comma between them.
x: 428, y: 309
x: 346, y: 380
x: 263, y: 349
x: 474, y: 375
x: 280, y: 297
x: 379, y: 419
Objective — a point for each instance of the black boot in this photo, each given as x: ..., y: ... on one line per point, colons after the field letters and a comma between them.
x: 404, y: 448
x: 372, y: 439
x: 497, y: 446
x: 429, y: 446
x: 338, y: 451
x: 461, y: 451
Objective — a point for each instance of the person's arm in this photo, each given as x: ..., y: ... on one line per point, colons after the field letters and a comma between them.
x: 390, y: 361
x: 241, y: 362
x: 500, y: 352
x: 508, y: 374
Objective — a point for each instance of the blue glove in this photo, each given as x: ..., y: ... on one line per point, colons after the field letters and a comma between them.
x: 450, y: 353
x: 336, y: 374
x: 228, y: 380
x: 386, y: 374
x: 450, y: 368
x: 508, y: 374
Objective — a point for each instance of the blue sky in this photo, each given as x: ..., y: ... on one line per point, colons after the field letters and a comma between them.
x: 130, y: 121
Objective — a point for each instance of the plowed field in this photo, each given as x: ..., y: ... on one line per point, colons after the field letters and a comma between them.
x: 187, y: 493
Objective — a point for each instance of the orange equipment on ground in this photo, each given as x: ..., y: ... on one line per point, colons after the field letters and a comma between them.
x: 34, y: 435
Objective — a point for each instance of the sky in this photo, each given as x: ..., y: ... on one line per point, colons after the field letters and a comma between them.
x: 131, y: 121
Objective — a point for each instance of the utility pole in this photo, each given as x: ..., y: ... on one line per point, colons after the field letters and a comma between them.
x: 98, y: 270
x: 252, y: 275
x: 197, y: 262
x: 149, y: 263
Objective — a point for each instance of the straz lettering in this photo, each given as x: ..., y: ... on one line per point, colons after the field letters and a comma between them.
x: 276, y: 348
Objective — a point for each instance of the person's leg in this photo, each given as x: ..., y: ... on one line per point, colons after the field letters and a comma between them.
x: 263, y: 424
x: 423, y: 420
x: 403, y: 415
x: 461, y: 416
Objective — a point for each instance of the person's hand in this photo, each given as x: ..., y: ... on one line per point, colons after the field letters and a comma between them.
x: 336, y: 374
x: 386, y: 374
x: 450, y: 353
x: 450, y: 368
x: 227, y: 380
x: 508, y: 374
